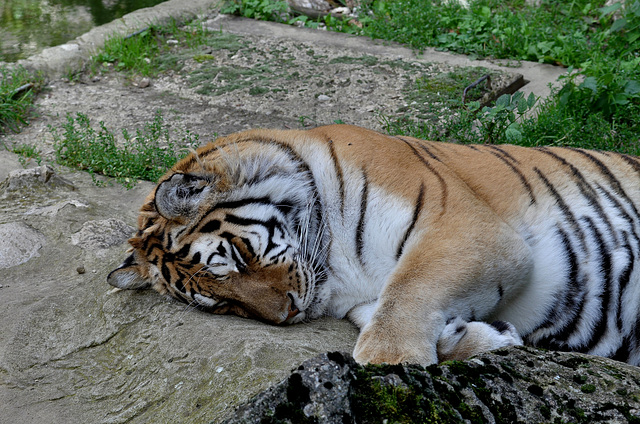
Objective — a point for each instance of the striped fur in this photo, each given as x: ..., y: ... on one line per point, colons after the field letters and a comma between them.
x: 402, y: 236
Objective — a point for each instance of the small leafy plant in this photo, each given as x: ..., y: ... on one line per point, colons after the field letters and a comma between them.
x: 26, y: 152
x: 145, y: 156
x: 266, y: 10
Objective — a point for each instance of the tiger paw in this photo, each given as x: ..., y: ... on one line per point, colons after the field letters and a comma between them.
x: 460, y: 339
x: 377, y: 347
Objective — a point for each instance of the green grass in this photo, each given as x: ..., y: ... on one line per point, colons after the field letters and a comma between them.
x: 161, y: 48
x: 18, y: 88
x: 597, y: 106
x: 145, y: 156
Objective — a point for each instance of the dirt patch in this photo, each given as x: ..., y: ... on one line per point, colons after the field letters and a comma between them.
x: 239, y: 81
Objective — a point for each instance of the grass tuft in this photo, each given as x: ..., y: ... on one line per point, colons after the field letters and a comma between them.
x: 18, y: 88
x: 145, y: 156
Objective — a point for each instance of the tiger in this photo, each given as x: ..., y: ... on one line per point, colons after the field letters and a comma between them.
x: 435, y: 251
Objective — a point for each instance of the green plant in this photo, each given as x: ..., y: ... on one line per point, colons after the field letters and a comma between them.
x: 131, y: 52
x: 147, y: 155
x: 598, y: 104
x: 502, y: 121
x: 18, y: 88
x: 565, y: 33
x: 27, y: 152
x: 609, y: 81
x: 153, y: 49
x: 258, y: 9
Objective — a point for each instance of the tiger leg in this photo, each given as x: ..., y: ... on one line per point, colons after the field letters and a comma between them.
x: 465, y: 274
x: 461, y: 339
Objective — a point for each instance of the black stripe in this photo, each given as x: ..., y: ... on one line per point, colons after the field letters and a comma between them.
x: 168, y: 240
x: 633, y: 161
x: 184, y: 251
x: 604, y: 170
x: 182, y: 277
x: 210, y: 227
x: 154, y: 244
x: 339, y: 174
x: 625, y: 276
x: 228, y: 236
x: 569, y: 307
x: 361, y: 221
x: 424, y: 147
x: 564, y: 208
x: 129, y: 261
x: 196, y: 258
x: 164, y: 269
x: 501, y: 326
x: 271, y: 225
x: 605, y: 297
x: 153, y: 260
x: 621, y: 211
x: 247, y: 244
x: 234, y: 204
x: 502, y: 153
x: 587, y: 191
x: 622, y: 354
x: 443, y: 183
x: 523, y: 179
x: 416, y: 213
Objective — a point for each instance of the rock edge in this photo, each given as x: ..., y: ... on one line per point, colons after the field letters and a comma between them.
x: 511, y: 385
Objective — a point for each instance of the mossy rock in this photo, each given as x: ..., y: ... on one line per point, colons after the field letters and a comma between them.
x: 513, y: 385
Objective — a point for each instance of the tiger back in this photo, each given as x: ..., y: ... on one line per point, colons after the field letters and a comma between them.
x: 409, y: 239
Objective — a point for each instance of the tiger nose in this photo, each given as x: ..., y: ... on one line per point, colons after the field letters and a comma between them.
x: 293, y: 310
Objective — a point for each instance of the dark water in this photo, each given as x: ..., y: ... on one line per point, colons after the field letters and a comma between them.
x: 28, y: 26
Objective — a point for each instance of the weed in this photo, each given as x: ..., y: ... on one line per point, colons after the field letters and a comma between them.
x: 146, y: 156
x: 18, y: 88
x: 153, y: 50
x: 26, y: 152
x: 597, y: 106
x: 131, y: 52
x: 259, y: 9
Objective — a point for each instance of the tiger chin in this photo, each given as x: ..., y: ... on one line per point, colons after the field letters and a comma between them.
x: 420, y: 244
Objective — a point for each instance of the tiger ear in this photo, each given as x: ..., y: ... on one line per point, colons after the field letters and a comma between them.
x: 128, y: 276
x: 181, y: 195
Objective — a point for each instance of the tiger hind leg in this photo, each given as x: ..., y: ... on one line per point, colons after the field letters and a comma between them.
x: 461, y: 339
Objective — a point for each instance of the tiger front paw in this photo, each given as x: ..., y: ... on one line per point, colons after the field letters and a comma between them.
x: 377, y: 347
x: 461, y: 339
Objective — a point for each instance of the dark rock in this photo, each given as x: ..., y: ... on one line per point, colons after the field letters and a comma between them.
x: 512, y: 385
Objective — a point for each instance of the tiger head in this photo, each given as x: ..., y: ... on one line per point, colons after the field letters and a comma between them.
x: 229, y: 239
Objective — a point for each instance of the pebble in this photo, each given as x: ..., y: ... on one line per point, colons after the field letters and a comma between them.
x: 323, y: 98
x: 81, y: 270
x: 144, y: 83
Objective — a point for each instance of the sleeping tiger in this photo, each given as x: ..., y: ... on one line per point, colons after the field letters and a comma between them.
x: 418, y: 243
